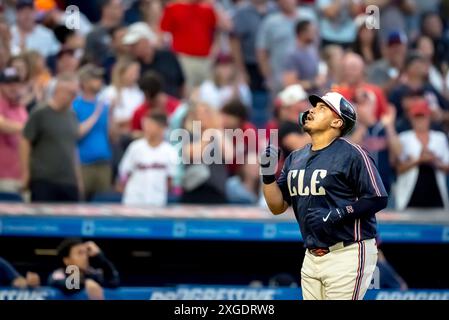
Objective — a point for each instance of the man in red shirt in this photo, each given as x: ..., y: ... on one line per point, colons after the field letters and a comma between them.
x: 192, y: 24
x: 155, y: 101
x: 354, y: 87
x: 13, y: 116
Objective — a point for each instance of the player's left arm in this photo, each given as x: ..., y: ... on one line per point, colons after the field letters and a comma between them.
x: 364, y: 179
x: 366, y: 182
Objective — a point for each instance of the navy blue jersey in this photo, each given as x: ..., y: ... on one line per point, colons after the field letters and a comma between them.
x: 334, y: 177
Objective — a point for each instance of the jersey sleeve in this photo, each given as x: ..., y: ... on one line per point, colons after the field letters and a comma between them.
x: 282, y: 180
x: 364, y: 175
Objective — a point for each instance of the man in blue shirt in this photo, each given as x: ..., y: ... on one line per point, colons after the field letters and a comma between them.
x: 335, y: 190
x: 93, y: 145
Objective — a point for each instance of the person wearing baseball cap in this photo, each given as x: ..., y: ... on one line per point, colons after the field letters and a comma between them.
x: 385, y: 72
x: 142, y: 44
x: 13, y: 116
x: 138, y: 31
x: 335, y: 191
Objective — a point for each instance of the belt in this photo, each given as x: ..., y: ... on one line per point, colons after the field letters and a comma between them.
x: 319, y: 252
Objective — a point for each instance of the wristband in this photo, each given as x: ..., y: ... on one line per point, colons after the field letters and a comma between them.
x: 268, y: 179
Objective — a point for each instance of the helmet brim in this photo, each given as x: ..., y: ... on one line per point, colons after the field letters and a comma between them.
x: 314, y: 99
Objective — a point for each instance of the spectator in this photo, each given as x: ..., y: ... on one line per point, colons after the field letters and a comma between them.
x: 149, y: 165
x: 423, y: 164
x: 4, y: 56
x: 141, y: 42
x: 27, y: 35
x: 332, y: 56
x: 414, y: 79
x: 244, y: 187
x: 301, y: 65
x: 5, y: 40
x: 95, y: 270
x: 247, y: 20
x: 225, y: 85
x: 234, y: 116
x: 205, y: 182
x: 13, y: 116
x: 70, y: 40
x: 385, y: 72
x: 367, y: 43
x: 118, y: 52
x: 432, y: 26
x: 276, y: 38
x: 124, y: 93
x: 98, y: 41
x: 192, y: 37
x: 94, y: 133
x: 354, y: 87
x: 155, y: 101
x: 337, y: 21
x: 20, y: 63
x: 66, y: 61
x: 378, y: 137
x: 425, y: 47
x: 9, y: 277
x: 52, y: 16
x: 151, y: 12
x: 48, y: 149
x: 39, y: 75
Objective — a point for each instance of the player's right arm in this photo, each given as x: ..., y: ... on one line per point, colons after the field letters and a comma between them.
x: 274, y: 195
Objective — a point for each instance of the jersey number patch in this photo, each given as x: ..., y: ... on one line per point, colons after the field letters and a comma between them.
x: 302, y: 190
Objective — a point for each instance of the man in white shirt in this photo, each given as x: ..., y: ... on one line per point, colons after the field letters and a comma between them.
x: 148, y: 165
x: 27, y: 35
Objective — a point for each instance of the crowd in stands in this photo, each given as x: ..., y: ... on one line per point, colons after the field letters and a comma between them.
x: 89, y: 98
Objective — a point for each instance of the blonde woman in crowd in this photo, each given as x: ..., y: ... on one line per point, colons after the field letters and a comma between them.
x: 123, y: 94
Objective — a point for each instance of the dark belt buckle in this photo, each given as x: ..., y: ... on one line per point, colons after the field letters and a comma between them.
x: 319, y: 252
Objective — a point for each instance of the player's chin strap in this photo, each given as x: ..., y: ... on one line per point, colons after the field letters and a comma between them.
x: 302, y: 118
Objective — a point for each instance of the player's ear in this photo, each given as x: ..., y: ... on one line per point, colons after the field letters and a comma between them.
x: 337, y: 123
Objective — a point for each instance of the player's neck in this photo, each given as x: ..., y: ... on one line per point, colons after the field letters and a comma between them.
x: 322, y: 140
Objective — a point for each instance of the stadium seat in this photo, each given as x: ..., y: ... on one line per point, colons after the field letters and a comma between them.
x: 10, y: 197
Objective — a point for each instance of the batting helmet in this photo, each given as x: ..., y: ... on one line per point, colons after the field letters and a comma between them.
x: 342, y: 107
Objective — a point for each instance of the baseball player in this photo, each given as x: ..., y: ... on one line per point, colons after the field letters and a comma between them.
x: 335, y: 191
